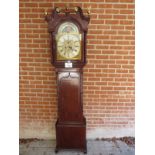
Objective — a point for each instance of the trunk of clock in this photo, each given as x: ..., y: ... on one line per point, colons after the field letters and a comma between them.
x: 71, y: 124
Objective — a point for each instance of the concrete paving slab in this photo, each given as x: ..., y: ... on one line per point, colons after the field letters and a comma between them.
x: 94, y: 147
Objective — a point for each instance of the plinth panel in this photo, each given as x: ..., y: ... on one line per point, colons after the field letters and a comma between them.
x: 71, y: 136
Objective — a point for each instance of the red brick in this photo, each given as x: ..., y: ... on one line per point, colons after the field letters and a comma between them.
x: 105, y: 6
x: 127, y: 1
x: 119, y: 16
x: 126, y: 12
x: 112, y: 22
x: 120, y: 6
x: 111, y: 0
x: 111, y: 11
x: 31, y: 4
x: 97, y: 21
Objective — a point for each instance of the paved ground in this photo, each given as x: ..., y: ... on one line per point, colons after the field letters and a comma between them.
x: 94, y: 147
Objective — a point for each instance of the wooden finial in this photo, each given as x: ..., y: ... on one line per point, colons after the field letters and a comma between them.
x: 58, y: 10
x: 67, y: 6
x: 76, y: 9
x: 45, y: 13
x: 88, y: 10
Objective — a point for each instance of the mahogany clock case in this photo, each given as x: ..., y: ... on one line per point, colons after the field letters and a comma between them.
x: 71, y: 124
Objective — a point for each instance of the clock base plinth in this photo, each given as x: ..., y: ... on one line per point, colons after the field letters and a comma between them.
x: 71, y: 136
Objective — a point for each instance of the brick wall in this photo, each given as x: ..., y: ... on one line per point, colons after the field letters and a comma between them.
x: 108, y: 75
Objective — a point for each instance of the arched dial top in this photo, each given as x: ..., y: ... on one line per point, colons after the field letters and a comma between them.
x: 68, y: 27
x: 68, y: 39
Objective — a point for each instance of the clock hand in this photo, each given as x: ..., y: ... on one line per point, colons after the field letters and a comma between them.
x: 68, y: 37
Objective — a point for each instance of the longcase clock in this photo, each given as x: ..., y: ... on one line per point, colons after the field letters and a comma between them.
x: 68, y: 29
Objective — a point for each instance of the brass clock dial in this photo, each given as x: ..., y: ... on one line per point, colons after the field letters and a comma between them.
x: 68, y: 42
x: 69, y: 46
